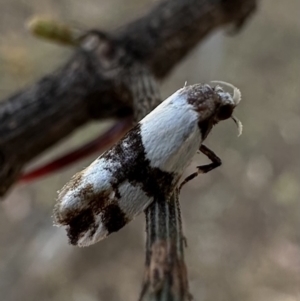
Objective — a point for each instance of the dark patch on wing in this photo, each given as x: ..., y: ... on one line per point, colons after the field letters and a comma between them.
x: 136, y: 168
x: 79, y: 224
x: 114, y: 218
x: 83, y: 219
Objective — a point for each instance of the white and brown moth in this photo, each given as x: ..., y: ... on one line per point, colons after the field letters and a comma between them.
x: 146, y: 164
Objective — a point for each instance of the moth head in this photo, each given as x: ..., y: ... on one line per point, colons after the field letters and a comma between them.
x: 213, y: 104
x: 228, y: 102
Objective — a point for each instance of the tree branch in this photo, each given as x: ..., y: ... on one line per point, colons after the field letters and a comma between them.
x: 93, y: 83
x: 165, y: 273
x: 173, y: 28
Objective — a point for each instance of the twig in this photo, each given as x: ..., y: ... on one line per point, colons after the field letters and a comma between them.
x: 165, y: 274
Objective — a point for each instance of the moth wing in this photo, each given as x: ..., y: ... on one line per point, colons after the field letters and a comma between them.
x: 114, y: 189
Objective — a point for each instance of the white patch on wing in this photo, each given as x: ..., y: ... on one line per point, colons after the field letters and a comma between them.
x: 170, y: 134
x: 133, y: 199
x: 99, y: 173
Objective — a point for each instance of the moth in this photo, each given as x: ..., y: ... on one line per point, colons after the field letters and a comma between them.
x: 147, y: 163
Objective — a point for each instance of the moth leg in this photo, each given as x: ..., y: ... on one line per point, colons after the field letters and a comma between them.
x: 216, y: 162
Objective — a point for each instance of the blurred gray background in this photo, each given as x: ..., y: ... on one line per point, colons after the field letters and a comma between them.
x: 241, y: 221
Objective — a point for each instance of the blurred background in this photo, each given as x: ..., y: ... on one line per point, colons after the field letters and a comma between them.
x: 241, y: 221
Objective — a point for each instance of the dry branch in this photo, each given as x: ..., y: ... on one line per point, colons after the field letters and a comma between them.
x: 165, y: 273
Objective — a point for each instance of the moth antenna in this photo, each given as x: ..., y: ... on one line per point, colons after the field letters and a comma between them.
x: 238, y: 124
x: 185, y: 83
x: 237, y: 95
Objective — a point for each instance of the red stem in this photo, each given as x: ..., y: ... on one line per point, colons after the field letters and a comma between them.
x: 99, y: 144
